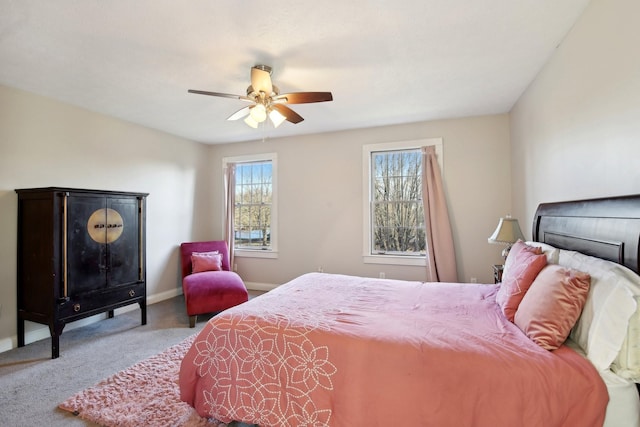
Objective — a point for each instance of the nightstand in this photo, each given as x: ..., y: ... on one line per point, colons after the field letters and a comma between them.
x: 497, y: 273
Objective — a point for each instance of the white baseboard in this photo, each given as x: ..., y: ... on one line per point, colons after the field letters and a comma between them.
x: 41, y: 332
x: 254, y: 286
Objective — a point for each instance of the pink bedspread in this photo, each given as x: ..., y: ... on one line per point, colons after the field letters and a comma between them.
x: 333, y: 350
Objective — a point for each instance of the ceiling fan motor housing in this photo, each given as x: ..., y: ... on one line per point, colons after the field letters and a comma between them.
x: 251, y: 93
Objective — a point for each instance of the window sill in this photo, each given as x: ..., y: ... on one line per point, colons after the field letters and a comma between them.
x: 244, y: 253
x: 395, y: 260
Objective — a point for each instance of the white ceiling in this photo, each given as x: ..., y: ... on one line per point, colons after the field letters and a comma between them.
x: 385, y: 61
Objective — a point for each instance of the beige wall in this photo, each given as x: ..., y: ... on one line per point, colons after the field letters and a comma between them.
x: 320, y: 197
x: 575, y: 133
x: 47, y: 143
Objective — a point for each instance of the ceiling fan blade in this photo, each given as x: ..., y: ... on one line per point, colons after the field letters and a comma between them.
x: 304, y: 97
x: 240, y: 113
x: 223, y: 95
x: 289, y: 114
x: 261, y: 79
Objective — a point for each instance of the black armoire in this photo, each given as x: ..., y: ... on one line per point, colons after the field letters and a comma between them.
x: 80, y: 253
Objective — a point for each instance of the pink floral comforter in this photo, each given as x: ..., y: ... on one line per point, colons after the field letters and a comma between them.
x: 333, y: 350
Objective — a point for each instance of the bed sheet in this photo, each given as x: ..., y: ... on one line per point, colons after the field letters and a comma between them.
x: 348, y: 351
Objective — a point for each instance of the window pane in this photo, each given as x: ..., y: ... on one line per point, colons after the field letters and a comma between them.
x: 253, y: 205
x: 397, y: 214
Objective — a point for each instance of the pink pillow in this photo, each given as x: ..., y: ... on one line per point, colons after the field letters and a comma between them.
x: 552, y: 305
x: 206, y: 261
x: 522, y: 266
x: 515, y: 249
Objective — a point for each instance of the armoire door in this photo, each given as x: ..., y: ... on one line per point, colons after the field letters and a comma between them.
x: 86, y: 246
x: 123, y: 241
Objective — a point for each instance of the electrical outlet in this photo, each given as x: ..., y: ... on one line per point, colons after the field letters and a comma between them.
x: 320, y: 269
x: 474, y: 280
x: 382, y: 275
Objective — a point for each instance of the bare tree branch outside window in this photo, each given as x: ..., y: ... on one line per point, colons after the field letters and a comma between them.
x: 397, y: 213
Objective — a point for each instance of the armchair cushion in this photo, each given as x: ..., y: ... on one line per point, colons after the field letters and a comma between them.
x: 212, y: 291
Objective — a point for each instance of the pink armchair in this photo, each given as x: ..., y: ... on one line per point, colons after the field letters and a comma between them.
x: 209, y: 291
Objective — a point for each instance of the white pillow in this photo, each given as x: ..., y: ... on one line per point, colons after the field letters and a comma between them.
x: 627, y: 364
x: 602, y: 327
x: 552, y: 253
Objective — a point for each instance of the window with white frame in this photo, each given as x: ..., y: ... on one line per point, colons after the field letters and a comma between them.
x: 394, y: 230
x: 255, y: 208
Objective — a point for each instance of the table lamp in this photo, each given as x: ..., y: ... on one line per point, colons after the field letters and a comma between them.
x: 508, y: 232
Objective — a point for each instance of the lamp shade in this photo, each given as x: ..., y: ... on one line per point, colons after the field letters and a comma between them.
x: 276, y: 118
x: 249, y: 120
x: 258, y: 113
x: 507, y: 232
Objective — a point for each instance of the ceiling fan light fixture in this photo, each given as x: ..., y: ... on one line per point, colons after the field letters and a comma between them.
x: 276, y: 118
x: 258, y: 113
x: 251, y: 122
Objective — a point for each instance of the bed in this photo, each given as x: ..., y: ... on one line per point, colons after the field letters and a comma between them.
x: 336, y: 350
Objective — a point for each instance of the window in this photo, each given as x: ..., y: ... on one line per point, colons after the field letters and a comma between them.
x: 394, y: 217
x: 254, y: 209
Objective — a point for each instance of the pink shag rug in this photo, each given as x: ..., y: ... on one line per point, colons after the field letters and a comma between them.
x: 146, y: 394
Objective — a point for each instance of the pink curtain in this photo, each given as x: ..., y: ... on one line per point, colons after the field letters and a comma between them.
x: 441, y: 256
x: 229, y: 202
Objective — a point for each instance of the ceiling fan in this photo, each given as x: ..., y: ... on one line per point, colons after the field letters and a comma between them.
x: 267, y: 101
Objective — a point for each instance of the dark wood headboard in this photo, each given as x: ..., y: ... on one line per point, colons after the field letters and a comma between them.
x: 607, y: 228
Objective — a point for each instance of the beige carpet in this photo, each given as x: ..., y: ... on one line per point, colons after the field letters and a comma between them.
x: 146, y: 394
